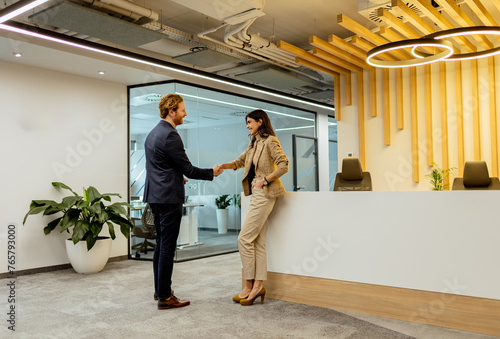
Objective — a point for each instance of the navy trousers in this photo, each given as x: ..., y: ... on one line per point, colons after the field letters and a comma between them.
x: 167, y: 219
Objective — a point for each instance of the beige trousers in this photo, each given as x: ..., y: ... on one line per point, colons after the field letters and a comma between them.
x: 252, y: 238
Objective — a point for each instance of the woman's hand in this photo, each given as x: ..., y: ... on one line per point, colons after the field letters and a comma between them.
x: 259, y: 184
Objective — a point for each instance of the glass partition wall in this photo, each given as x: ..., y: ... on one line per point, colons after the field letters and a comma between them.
x: 214, y: 132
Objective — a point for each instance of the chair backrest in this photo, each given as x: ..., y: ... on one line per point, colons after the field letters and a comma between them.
x: 148, y: 220
x: 476, y: 177
x: 352, y: 177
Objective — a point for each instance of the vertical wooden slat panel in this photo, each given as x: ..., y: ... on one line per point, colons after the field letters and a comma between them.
x: 428, y: 115
x: 460, y: 118
x: 444, y: 119
x: 336, y: 94
x: 399, y: 98
x: 414, y: 124
x: 493, y: 116
x: 475, y: 110
x: 348, y: 90
x: 373, y: 93
x: 387, y: 107
x: 361, y: 119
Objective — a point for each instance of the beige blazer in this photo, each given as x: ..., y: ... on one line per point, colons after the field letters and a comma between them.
x: 271, y: 159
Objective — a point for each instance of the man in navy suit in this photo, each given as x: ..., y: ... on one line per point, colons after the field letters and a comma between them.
x: 166, y: 166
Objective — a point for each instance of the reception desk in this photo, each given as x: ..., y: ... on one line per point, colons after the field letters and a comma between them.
x: 429, y: 257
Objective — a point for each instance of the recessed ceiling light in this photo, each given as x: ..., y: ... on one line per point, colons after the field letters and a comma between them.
x: 101, y: 72
x: 17, y: 55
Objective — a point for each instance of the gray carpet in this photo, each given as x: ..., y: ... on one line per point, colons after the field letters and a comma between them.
x: 118, y: 303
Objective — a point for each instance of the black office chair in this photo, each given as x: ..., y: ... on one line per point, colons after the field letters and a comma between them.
x: 146, y: 231
x: 352, y: 177
x: 476, y: 177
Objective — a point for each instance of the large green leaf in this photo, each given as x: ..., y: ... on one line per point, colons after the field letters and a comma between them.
x: 95, y: 209
x: 36, y: 203
x: 107, y: 196
x: 118, y: 208
x: 85, y: 194
x: 60, y: 184
x: 111, y: 228
x: 53, y: 210
x: 35, y: 210
x: 90, y: 242
x: 99, y: 211
x: 38, y: 206
x: 69, y: 219
x: 79, y: 231
x: 70, y: 201
x: 51, y: 225
x: 93, y: 194
x: 125, y: 228
x: 96, y: 228
x: 125, y: 225
x: 82, y: 204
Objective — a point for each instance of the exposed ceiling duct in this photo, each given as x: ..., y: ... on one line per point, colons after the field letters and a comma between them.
x: 206, y: 58
x: 96, y: 24
x: 139, y: 15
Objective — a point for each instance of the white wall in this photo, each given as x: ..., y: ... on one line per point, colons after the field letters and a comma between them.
x: 56, y: 127
x: 391, y: 166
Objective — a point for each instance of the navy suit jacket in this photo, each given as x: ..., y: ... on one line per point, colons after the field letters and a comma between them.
x: 166, y: 164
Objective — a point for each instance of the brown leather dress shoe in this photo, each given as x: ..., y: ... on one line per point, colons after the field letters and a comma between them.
x: 172, y: 302
x: 155, y: 296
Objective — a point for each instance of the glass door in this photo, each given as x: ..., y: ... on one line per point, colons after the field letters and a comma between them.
x: 305, y: 163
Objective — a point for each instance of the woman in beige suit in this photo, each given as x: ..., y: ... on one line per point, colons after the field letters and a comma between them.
x: 264, y: 162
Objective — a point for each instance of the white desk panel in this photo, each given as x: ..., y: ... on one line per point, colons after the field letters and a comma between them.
x: 434, y: 241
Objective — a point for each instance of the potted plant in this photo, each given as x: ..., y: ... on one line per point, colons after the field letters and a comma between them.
x: 222, y: 202
x: 438, y: 176
x: 84, y: 217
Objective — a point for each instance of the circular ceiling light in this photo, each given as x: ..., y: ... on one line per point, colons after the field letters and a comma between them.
x: 446, y: 46
x: 463, y: 31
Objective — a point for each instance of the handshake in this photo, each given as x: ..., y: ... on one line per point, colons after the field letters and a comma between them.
x: 217, y: 170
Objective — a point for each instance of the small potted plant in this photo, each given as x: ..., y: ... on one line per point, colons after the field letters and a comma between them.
x: 438, y: 176
x: 222, y: 202
x: 83, y: 217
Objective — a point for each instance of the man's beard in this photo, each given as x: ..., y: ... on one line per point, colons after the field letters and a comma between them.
x: 178, y: 121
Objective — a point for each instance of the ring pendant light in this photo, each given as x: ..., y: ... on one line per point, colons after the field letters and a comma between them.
x: 413, y: 43
x: 454, y: 32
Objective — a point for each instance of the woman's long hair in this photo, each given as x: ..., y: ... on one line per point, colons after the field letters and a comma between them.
x: 266, y: 129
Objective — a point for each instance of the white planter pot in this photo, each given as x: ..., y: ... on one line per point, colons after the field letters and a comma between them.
x: 88, y: 262
x: 222, y: 220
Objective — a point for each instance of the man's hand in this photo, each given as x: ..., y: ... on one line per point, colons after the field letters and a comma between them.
x: 217, y: 170
x: 185, y: 181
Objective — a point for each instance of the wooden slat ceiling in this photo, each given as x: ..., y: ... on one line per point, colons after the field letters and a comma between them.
x: 400, y: 22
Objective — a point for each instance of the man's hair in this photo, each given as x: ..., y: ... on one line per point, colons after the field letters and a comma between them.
x: 169, y: 101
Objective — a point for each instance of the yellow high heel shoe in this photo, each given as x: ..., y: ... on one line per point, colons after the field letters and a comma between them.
x: 248, y: 302
x: 237, y: 298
